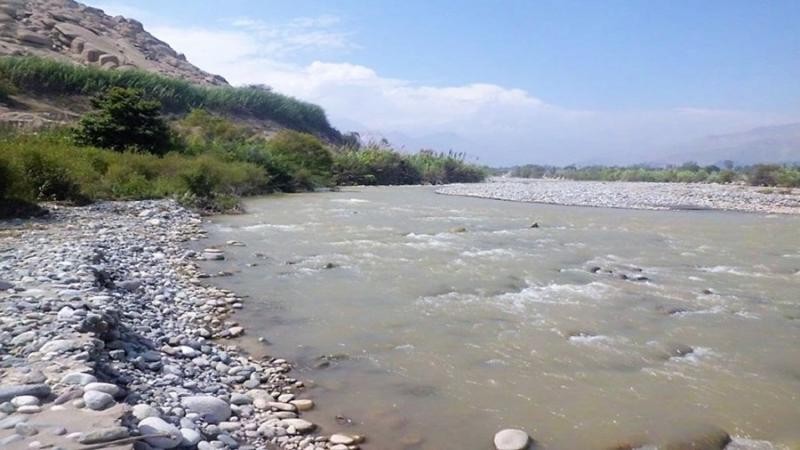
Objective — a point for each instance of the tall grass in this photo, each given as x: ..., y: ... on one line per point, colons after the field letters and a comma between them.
x: 46, y: 76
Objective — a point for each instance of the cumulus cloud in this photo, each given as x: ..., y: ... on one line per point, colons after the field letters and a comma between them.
x: 498, y: 124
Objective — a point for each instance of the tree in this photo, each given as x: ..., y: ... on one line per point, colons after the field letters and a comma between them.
x: 123, y: 120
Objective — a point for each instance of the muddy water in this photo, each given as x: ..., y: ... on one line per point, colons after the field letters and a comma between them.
x: 436, y: 338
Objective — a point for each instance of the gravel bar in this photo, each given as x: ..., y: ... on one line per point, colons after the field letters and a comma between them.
x: 108, y: 335
x: 634, y: 195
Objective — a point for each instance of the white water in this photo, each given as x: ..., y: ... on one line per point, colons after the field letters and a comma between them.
x: 451, y: 336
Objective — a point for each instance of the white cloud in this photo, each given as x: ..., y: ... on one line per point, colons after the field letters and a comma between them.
x: 501, y: 125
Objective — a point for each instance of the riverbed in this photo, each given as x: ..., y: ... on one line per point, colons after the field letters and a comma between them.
x: 430, y: 322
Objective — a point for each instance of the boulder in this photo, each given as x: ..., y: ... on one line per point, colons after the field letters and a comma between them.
x: 33, y: 38
x: 143, y: 411
x: 511, y: 439
x: 211, y: 409
x: 156, y: 425
x: 97, y: 400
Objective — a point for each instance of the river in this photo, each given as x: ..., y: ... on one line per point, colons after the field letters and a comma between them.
x: 445, y: 319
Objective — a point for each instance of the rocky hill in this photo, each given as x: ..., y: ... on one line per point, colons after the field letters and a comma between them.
x: 70, y: 31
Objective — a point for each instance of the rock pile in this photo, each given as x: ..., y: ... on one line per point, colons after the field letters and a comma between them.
x: 106, y: 334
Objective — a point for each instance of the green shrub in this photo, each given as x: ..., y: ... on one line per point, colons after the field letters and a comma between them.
x: 50, y: 179
x: 305, y: 156
x: 124, y: 120
x: 764, y: 175
x: 49, y: 166
x: 7, y: 89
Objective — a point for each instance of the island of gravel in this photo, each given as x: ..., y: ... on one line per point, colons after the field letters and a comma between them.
x: 634, y: 195
x: 108, y: 337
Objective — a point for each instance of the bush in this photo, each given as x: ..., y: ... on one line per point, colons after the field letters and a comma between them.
x: 7, y: 89
x: 50, y: 166
x: 49, y: 179
x: 373, y: 166
x: 304, y: 155
x: 764, y: 175
x: 125, y: 120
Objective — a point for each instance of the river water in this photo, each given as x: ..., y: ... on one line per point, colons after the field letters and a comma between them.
x: 599, y: 327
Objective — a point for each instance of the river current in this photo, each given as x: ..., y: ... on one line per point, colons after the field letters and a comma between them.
x: 427, y: 321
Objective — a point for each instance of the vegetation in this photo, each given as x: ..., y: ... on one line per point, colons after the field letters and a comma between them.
x: 757, y: 175
x: 208, y: 163
x: 376, y: 165
x: 45, y: 76
x: 50, y: 166
x: 124, y: 120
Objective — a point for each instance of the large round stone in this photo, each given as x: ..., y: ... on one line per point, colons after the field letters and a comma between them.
x: 155, y: 425
x: 511, y: 439
x: 97, y: 400
x: 211, y: 409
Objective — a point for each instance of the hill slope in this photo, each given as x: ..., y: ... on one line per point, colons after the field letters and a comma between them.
x: 58, y: 53
x: 70, y: 31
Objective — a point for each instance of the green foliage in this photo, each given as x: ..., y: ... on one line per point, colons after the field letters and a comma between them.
x: 764, y: 175
x: 49, y: 178
x: 45, y: 76
x: 205, y: 133
x: 7, y: 89
x: 50, y: 166
x: 373, y: 166
x: 305, y: 157
x: 441, y: 168
x: 124, y: 119
x: 383, y: 166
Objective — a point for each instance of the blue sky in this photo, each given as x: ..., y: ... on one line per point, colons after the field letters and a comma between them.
x: 510, y: 82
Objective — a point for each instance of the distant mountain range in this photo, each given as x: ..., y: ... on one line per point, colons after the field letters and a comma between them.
x: 773, y: 144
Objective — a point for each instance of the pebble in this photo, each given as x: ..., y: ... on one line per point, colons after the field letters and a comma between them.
x: 79, y: 378
x: 630, y: 195
x: 116, y: 292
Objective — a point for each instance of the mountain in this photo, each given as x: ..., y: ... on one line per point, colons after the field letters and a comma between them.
x: 70, y: 31
x: 773, y: 144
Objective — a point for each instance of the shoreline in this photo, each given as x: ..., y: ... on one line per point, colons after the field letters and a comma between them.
x: 633, y: 195
x: 108, y: 333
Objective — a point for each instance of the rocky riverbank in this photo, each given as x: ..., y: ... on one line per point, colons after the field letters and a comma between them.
x: 664, y: 196
x: 107, y: 335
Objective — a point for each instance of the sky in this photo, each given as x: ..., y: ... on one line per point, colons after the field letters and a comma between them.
x: 508, y: 82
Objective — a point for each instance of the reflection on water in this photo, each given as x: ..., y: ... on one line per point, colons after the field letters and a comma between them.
x: 600, y: 327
